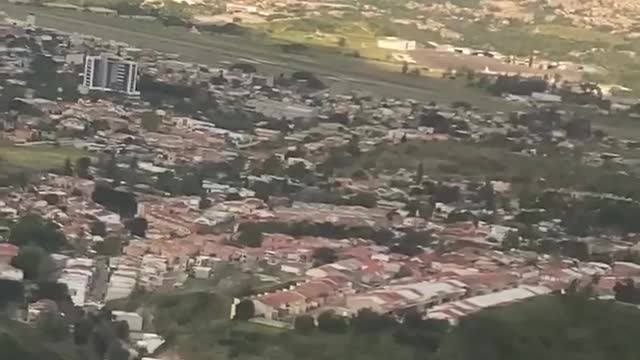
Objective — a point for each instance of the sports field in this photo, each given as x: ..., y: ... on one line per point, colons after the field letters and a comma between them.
x: 344, y: 73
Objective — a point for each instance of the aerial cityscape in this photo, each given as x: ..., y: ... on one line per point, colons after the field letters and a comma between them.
x: 293, y: 179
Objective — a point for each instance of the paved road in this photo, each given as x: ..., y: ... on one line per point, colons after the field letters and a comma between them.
x: 100, y: 280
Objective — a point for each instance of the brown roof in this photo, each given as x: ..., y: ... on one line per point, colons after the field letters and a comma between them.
x: 8, y: 250
x: 314, y: 289
x: 280, y: 298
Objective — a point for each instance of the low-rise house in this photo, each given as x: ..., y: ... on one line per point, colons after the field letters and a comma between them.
x: 418, y: 296
x: 7, y: 253
x: 8, y: 272
x: 457, y: 309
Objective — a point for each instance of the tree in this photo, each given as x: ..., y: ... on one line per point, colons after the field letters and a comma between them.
x: 425, y: 210
x: 311, y: 79
x: 117, y: 352
x: 33, y: 230
x: 304, y: 324
x: 272, y: 166
x: 419, y: 174
x: 538, y: 328
x: 365, y: 199
x: 298, y: 171
x: 133, y: 164
x: 251, y: 237
x: 425, y: 335
x: 10, y: 292
x: 578, y: 128
x: 410, y: 244
x: 403, y: 272
x: 98, y: 228
x: 192, y: 184
x: 353, y: 146
x: 245, y: 310
x: 511, y: 241
x: 111, y: 246
x: 67, y: 170
x: 33, y: 261
x: 121, y: 202
x: 488, y: 195
x: 82, y: 167
x: 329, y: 322
x: 342, y: 42
x: 368, y: 321
x: 137, y: 226
x: 82, y: 331
x: 626, y: 291
x: 151, y: 121
x: 446, y: 194
x: 52, y: 290
x: 405, y: 67
x: 167, y: 182
x: 111, y: 168
x: 204, y: 202
x: 324, y: 255
x: 121, y: 329
x: 53, y: 327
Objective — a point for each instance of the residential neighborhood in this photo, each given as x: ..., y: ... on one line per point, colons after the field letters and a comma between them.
x: 292, y: 199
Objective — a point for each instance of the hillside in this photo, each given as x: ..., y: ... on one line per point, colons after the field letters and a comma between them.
x: 569, y: 327
x: 20, y: 342
x: 548, y: 328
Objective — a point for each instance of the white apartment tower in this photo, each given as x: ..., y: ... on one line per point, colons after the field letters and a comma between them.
x: 107, y: 72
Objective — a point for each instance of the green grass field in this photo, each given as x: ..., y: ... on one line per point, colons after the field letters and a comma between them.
x: 573, y: 33
x: 17, y: 159
x: 343, y: 73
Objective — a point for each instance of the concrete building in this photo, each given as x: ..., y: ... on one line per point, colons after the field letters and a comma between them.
x: 394, y: 43
x: 122, y: 282
x: 78, y: 276
x: 8, y: 272
x: 134, y: 320
x: 280, y: 110
x: 107, y: 72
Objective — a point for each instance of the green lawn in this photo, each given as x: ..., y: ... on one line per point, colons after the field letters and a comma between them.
x: 17, y: 159
x: 577, y: 34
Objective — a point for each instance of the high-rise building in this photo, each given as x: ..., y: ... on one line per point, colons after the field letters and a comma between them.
x: 107, y: 72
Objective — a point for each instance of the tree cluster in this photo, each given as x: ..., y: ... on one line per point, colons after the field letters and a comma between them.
x: 118, y: 201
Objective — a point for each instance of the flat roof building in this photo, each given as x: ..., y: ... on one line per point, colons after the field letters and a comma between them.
x: 107, y: 72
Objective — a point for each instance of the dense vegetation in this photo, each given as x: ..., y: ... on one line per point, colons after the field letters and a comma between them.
x: 571, y: 326
x: 554, y: 327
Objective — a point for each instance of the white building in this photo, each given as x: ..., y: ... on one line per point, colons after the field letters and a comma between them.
x: 279, y: 110
x: 152, y: 271
x: 394, y: 43
x: 78, y: 284
x: 78, y: 276
x: 122, y: 282
x: 8, y: 272
x: 134, y: 320
x: 107, y: 72
x: 546, y: 97
x: 454, y: 310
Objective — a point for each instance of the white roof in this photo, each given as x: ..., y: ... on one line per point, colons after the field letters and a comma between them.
x: 507, y: 296
x: 428, y: 289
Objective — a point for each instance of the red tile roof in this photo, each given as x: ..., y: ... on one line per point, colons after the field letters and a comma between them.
x: 281, y: 298
x: 314, y: 289
x: 8, y: 250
